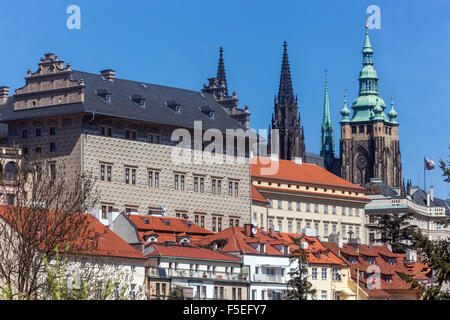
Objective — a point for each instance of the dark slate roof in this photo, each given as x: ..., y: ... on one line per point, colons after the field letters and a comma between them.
x: 420, y: 197
x: 381, y: 188
x: 156, y: 110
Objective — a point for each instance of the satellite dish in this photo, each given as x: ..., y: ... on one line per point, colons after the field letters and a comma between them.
x: 254, y: 231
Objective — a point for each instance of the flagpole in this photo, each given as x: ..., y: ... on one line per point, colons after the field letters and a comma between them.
x: 424, y: 177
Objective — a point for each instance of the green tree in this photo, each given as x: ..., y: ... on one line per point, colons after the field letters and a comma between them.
x: 436, y: 254
x: 396, y: 231
x: 299, y: 286
x: 66, y: 283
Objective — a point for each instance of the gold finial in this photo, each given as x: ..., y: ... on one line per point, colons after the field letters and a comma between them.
x: 367, y: 23
x: 345, y: 93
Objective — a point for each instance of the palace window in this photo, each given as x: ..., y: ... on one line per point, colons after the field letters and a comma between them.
x: 131, y: 134
x: 52, y: 131
x: 106, y: 131
x: 337, y: 274
x: 153, y: 138
x: 106, y: 210
x: 38, y: 132
x: 24, y: 134
x: 52, y: 147
x: 179, y: 181
x: 153, y: 178
x: 314, y: 273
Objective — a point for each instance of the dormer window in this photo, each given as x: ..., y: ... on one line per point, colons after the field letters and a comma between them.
x: 139, y: 100
x: 172, y: 104
x: 391, y: 261
x: 104, y: 94
x: 370, y: 260
x: 207, y: 111
x: 262, y: 248
x: 352, y: 259
x: 166, y: 222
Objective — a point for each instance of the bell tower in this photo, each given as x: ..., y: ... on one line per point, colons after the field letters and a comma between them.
x: 369, y: 144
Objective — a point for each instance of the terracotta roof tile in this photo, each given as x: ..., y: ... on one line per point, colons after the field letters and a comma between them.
x: 190, y: 252
x: 256, y: 196
x: 305, y: 173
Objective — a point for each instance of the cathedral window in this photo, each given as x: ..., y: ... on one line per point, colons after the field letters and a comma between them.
x: 354, y: 129
x: 361, y: 129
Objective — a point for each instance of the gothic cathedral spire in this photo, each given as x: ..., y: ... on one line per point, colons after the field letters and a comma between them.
x: 286, y: 118
x: 327, y: 139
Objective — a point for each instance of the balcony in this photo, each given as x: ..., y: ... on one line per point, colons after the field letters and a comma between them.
x: 277, y: 278
x: 405, y: 203
x: 163, y: 273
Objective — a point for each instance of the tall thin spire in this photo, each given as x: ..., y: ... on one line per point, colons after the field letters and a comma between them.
x: 327, y: 139
x: 286, y: 117
x: 326, y: 104
x: 285, y: 93
x: 221, y: 71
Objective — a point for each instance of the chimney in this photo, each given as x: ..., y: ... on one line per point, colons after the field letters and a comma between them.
x: 4, y: 93
x: 108, y: 74
x: 274, y: 157
x: 248, y: 230
x: 428, y: 199
x: 432, y: 193
x: 271, y: 232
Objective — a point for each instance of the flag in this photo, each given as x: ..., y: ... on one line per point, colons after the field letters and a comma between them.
x: 429, y: 164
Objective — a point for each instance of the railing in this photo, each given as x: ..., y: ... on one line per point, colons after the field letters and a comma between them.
x: 199, y: 274
x: 429, y: 211
x: 268, y: 278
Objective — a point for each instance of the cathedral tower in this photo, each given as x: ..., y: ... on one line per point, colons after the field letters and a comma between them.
x: 286, y: 117
x: 326, y: 138
x: 369, y: 143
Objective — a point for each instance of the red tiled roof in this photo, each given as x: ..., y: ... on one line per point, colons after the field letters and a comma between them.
x: 256, y: 196
x: 108, y: 243
x: 163, y: 225
x: 237, y: 241
x: 333, y: 195
x: 305, y: 173
x: 380, y: 255
x: 190, y: 252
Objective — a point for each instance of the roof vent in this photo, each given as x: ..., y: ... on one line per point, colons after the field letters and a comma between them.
x: 144, y: 85
x: 298, y: 161
x: 207, y: 111
x: 172, y: 104
x: 108, y: 74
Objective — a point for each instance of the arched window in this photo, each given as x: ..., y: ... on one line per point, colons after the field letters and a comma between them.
x: 10, y: 171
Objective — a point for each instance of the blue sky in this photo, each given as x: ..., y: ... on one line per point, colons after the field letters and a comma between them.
x: 176, y: 43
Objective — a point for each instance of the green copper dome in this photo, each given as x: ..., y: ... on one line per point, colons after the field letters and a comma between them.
x: 368, y: 106
x: 392, y: 114
x: 345, y: 112
x: 368, y: 72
